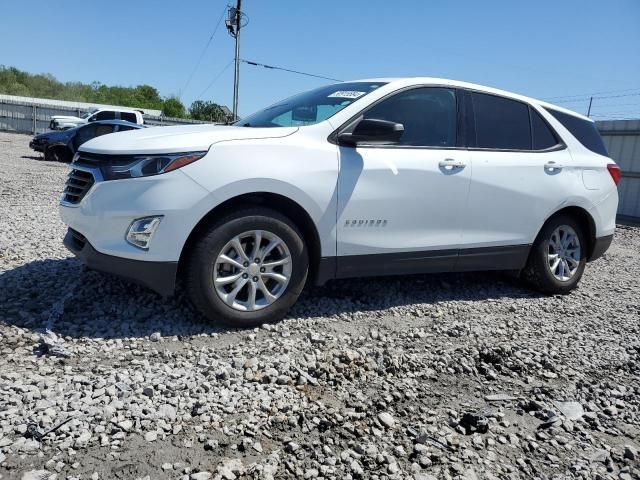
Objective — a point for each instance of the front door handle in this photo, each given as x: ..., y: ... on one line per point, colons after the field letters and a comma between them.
x: 553, y: 166
x: 450, y: 164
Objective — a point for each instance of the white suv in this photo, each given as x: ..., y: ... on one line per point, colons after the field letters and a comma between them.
x: 64, y: 122
x: 371, y: 177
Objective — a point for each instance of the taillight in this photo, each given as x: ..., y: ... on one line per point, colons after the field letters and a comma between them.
x: 615, y: 172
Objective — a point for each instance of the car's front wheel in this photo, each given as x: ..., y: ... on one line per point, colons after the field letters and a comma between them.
x: 248, y: 268
x: 558, y: 256
x: 57, y: 154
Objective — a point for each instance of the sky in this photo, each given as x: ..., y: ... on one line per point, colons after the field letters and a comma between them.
x: 549, y: 49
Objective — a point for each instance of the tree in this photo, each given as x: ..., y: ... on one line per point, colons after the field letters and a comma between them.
x: 17, y: 82
x: 207, y: 111
x: 172, y: 107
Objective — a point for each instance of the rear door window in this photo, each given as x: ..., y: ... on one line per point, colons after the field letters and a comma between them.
x: 124, y: 128
x: 104, y: 130
x: 585, y: 131
x: 84, y: 134
x: 501, y: 123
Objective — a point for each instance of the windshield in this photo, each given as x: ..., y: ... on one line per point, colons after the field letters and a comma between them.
x: 310, y: 107
x: 89, y: 113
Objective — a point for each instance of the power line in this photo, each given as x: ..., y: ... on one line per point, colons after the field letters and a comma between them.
x: 204, y: 50
x: 587, y: 95
x: 607, y: 105
x: 616, y: 115
x: 598, y: 98
x: 271, y: 67
x: 215, y: 79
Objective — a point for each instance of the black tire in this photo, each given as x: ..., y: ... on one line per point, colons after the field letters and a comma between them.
x: 199, y: 274
x: 58, y: 154
x: 538, y: 271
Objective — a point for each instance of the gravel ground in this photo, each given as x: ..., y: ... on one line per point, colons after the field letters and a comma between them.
x: 445, y: 376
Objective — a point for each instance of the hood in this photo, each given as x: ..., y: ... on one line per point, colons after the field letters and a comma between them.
x: 183, y: 138
x: 54, y: 136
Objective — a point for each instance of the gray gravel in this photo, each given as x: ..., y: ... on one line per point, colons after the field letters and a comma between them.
x: 449, y: 376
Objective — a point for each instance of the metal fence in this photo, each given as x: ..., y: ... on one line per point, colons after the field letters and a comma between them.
x: 83, y: 106
x: 622, y: 139
x: 33, y: 117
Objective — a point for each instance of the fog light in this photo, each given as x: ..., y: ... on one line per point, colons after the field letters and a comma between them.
x: 141, y: 231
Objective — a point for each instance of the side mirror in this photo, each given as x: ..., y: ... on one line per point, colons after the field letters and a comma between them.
x: 372, y: 131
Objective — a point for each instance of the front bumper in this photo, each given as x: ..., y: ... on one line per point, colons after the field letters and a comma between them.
x: 158, y: 276
x: 38, y: 147
x: 107, y: 209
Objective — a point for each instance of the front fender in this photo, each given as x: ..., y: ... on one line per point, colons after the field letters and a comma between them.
x: 300, y: 167
x: 324, y: 220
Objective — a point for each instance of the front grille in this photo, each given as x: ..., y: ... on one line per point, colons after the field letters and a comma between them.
x: 78, y: 239
x: 78, y: 184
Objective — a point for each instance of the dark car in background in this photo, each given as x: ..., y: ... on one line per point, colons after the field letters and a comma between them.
x: 60, y: 146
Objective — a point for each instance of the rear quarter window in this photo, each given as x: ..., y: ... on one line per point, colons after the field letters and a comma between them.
x: 585, y: 131
x: 129, y: 117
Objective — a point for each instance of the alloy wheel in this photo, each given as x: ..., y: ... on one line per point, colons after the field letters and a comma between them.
x: 252, y: 270
x: 564, y: 253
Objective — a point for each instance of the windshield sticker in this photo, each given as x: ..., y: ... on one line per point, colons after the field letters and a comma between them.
x: 346, y: 94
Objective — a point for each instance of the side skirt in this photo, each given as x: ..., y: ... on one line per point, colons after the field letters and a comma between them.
x: 511, y: 257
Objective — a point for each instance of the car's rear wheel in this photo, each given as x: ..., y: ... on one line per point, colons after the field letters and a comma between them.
x: 558, y: 256
x: 248, y: 268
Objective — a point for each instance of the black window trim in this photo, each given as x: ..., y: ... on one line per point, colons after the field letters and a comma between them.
x: 559, y: 141
x: 465, y: 122
x: 460, y: 132
x: 472, y: 120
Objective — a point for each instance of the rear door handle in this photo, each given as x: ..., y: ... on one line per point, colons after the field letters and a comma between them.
x: 551, y: 165
x: 450, y: 164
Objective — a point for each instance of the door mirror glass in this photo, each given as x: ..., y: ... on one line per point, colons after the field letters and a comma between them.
x: 373, y: 131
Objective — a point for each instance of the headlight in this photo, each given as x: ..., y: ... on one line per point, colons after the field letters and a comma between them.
x: 133, y: 166
x: 141, y: 231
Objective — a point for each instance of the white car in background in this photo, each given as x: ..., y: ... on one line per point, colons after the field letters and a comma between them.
x: 64, y: 122
x: 371, y: 177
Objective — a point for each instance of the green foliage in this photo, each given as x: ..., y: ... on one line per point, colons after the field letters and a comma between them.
x: 207, y: 111
x: 17, y: 82
x: 172, y: 107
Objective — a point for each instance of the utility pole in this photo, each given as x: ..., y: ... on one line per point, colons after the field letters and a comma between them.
x: 589, y: 110
x: 235, y: 15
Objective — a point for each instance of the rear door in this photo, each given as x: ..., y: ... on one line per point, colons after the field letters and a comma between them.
x: 520, y: 168
x: 399, y: 205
